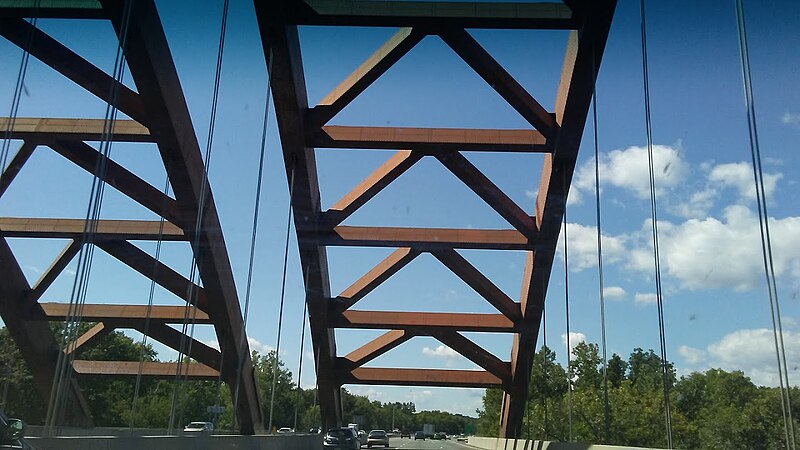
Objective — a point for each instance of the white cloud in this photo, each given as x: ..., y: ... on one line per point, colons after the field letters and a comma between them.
x: 441, y: 351
x: 790, y: 118
x: 614, y: 293
x: 254, y: 344
x: 575, y: 338
x: 531, y: 193
x: 645, y: 299
x: 739, y: 176
x: 713, y: 253
x: 582, y: 247
x: 629, y: 169
x: 691, y: 355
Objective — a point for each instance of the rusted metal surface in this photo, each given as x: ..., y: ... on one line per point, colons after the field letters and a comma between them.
x: 147, y: 230
x: 121, y: 314
x: 556, y: 133
x: 46, y: 130
x: 149, y: 369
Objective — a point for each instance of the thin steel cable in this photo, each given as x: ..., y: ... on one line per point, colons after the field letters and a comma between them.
x: 151, y: 295
x: 606, y: 406
x: 283, y: 296
x: 544, y: 366
x: 302, y: 347
x: 654, y: 218
x: 253, y: 237
x: 763, y: 222
x: 192, y: 293
x: 81, y: 281
x: 566, y: 310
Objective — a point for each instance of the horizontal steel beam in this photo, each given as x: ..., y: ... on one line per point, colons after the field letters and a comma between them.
x: 432, y: 14
x: 419, y: 377
x: 143, y: 230
x: 125, y: 314
x: 42, y: 130
x: 429, y: 139
x: 73, y: 9
x: 418, y: 238
x: 149, y: 369
x: 402, y: 320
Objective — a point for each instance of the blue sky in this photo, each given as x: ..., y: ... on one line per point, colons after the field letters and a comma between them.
x: 715, y: 300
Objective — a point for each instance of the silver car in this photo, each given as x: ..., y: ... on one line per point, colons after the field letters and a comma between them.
x: 377, y: 437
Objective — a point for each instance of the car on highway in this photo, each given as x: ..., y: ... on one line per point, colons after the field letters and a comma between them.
x: 341, y: 438
x: 199, y: 428
x: 12, y: 433
x: 440, y: 436
x: 377, y: 437
x: 419, y: 435
x: 285, y: 430
x: 405, y: 434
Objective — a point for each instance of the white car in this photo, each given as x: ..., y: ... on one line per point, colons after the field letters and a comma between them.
x: 199, y: 427
x: 285, y: 430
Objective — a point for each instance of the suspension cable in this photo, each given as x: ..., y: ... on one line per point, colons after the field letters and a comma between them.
x: 302, y: 346
x: 566, y: 309
x: 763, y: 222
x: 544, y: 366
x: 80, y: 286
x: 283, y: 296
x: 606, y: 407
x: 192, y: 292
x: 654, y: 218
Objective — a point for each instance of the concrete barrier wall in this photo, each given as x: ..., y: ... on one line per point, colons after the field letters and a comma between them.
x: 487, y: 443
x: 272, y: 442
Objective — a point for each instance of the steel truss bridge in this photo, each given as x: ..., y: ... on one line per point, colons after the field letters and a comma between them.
x: 160, y: 116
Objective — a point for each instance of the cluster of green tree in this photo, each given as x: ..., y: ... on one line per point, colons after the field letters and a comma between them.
x: 111, y: 400
x: 714, y: 409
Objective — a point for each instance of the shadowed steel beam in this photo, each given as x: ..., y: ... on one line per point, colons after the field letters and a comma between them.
x: 124, y: 315
x: 282, y: 49
x: 389, y: 171
x: 376, y: 347
x: 68, y: 63
x: 402, y: 320
x: 163, y: 275
x: 149, y: 369
x: 172, y: 338
x: 477, y: 281
x: 358, y: 81
x: 89, y: 338
x: 55, y: 269
x: 501, y: 81
x: 488, y: 191
x: 87, y: 158
x: 430, y: 139
x: 55, y: 9
x: 420, y: 377
x: 19, y: 160
x: 143, y: 230
x: 375, y: 277
x: 44, y: 130
x: 419, y: 238
x: 27, y: 325
x: 432, y: 14
x: 582, y: 60
x: 474, y: 353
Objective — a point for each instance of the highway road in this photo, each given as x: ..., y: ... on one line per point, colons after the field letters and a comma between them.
x: 427, y: 444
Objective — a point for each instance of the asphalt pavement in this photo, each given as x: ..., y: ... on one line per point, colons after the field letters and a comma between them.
x: 427, y: 444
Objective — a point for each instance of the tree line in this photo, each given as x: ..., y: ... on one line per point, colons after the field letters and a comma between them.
x: 111, y: 400
x: 714, y: 409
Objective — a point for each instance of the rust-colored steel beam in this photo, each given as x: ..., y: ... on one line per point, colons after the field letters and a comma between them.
x: 281, y: 46
x: 192, y: 348
x: 375, y: 277
x: 74, y: 9
x: 89, y: 338
x: 430, y: 140
x: 582, y: 60
x: 397, y: 320
x: 27, y: 324
x: 389, y: 171
x: 501, y: 81
x: 39, y: 130
x: 124, y: 316
x: 55, y: 269
x: 489, y: 192
x: 23, y: 154
x: 140, y: 261
x: 358, y: 81
x: 474, y: 353
x: 376, y: 347
x: 87, y: 158
x: 68, y: 63
x: 477, y: 281
x: 143, y: 230
x: 420, y: 377
x: 165, y: 370
x: 423, y: 239
x: 371, y: 13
